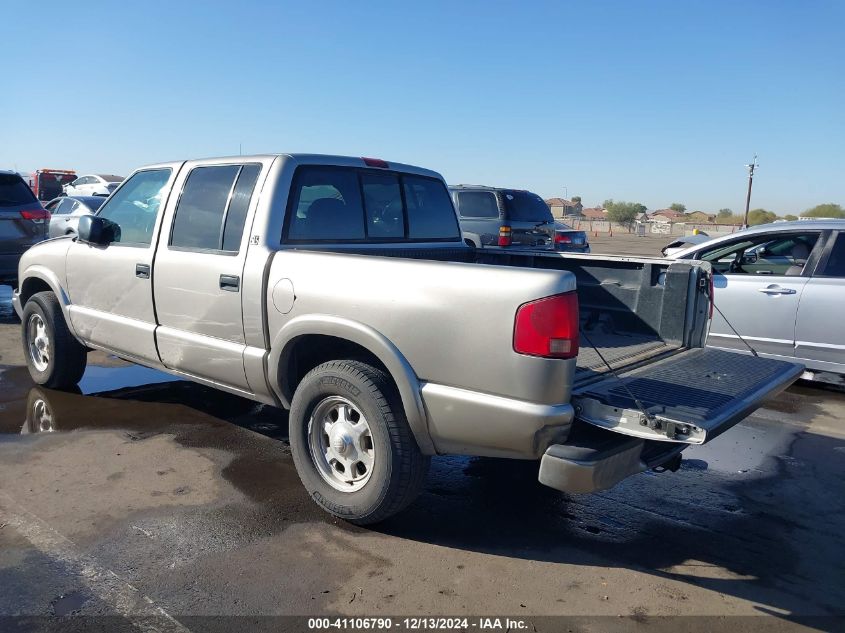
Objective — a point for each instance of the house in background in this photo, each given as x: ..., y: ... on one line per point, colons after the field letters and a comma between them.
x: 561, y: 207
x: 667, y: 215
x: 699, y: 217
x: 594, y: 213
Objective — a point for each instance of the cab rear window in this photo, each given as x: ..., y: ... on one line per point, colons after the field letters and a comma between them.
x: 341, y: 204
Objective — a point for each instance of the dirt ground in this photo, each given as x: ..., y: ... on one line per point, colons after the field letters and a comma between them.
x: 160, y: 503
x: 621, y: 243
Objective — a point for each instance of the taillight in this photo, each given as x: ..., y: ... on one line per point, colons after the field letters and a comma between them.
x: 36, y: 216
x: 548, y: 327
x: 563, y: 238
x: 504, y: 236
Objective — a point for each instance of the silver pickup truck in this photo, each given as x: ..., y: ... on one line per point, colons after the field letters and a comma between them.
x: 340, y: 289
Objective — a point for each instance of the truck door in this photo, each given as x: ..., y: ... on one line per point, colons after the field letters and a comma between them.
x: 758, y: 281
x: 111, y: 300
x: 198, y: 268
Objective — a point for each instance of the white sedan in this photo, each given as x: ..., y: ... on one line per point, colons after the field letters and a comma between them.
x: 778, y: 289
x: 93, y: 185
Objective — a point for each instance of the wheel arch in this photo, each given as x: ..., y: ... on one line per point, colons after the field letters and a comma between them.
x: 40, y: 279
x: 345, y: 337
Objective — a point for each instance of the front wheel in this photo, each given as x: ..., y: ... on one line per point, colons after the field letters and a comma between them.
x: 54, y: 357
x: 351, y: 443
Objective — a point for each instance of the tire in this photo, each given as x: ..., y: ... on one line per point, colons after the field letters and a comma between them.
x: 388, y: 477
x: 54, y: 357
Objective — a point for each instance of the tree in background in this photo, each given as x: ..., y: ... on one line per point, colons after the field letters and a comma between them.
x: 623, y: 213
x: 677, y: 206
x: 576, y: 199
x: 724, y: 214
x: 828, y: 210
x: 760, y: 216
x: 789, y: 217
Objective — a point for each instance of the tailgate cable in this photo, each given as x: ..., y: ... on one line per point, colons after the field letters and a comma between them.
x: 650, y: 419
x: 712, y: 298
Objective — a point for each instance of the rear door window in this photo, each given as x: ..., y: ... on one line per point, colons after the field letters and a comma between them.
x: 336, y: 204
x: 14, y: 191
x: 835, y: 264
x: 238, y: 207
x: 477, y: 204
x: 212, y: 209
x: 68, y: 206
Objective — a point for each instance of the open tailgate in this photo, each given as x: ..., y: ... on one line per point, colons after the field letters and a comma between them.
x: 690, y: 397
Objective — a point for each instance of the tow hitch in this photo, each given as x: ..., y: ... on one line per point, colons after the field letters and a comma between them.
x: 672, y: 464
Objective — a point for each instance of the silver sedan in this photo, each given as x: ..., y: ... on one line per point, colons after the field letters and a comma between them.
x: 780, y: 288
x: 66, y: 211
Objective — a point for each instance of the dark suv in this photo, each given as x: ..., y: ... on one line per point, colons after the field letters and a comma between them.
x: 23, y: 222
x: 492, y: 217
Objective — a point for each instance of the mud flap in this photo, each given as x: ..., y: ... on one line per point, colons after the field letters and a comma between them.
x: 690, y: 397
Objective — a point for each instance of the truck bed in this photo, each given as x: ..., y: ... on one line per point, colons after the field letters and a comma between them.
x: 619, y: 350
x: 631, y: 309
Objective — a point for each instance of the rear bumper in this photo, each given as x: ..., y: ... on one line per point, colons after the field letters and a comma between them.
x: 584, y: 466
x: 467, y: 422
x: 573, y: 249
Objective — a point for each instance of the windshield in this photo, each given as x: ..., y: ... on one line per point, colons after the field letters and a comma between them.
x: 14, y: 191
x: 524, y: 206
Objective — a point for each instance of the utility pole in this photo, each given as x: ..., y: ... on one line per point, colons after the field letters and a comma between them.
x: 751, y: 169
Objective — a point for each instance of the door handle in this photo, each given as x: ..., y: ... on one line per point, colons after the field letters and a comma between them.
x: 142, y: 271
x: 776, y: 290
x: 230, y: 283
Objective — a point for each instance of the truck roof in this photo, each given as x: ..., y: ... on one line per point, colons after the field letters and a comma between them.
x: 319, y: 159
x: 793, y: 225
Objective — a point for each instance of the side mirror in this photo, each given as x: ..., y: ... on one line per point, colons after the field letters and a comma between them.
x: 93, y: 229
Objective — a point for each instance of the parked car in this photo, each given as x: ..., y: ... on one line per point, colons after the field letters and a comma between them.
x: 23, y: 222
x: 66, y: 211
x: 684, y: 242
x: 93, y: 185
x: 341, y: 289
x: 570, y: 240
x: 492, y: 217
x: 781, y: 287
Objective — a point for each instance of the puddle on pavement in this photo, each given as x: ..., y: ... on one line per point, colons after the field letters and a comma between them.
x: 99, y: 379
x: 69, y: 604
x: 122, y: 399
x: 7, y: 313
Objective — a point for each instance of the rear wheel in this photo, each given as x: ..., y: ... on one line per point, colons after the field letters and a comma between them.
x: 351, y: 443
x: 54, y: 357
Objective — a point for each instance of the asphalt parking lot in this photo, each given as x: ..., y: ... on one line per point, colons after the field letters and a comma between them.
x: 142, y: 496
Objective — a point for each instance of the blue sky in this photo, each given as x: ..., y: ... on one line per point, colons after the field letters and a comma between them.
x: 654, y: 102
